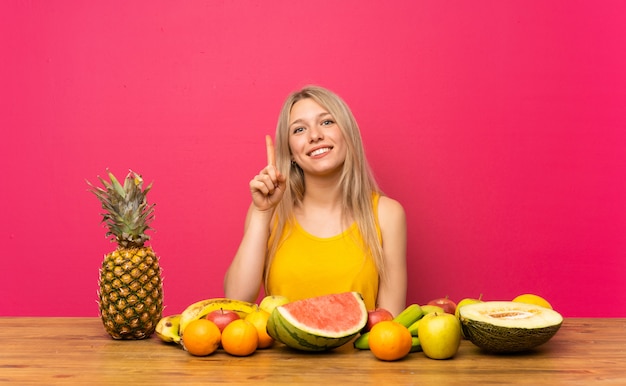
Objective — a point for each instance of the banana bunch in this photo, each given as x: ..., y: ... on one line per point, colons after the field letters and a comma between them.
x: 409, y: 318
x: 167, y: 329
x: 171, y: 328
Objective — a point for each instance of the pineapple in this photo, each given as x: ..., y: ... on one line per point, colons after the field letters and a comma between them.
x: 131, y: 291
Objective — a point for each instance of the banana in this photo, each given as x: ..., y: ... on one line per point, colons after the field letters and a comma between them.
x: 413, y: 327
x: 363, y: 341
x: 201, y: 308
x: 415, y: 344
x: 167, y: 328
x: 409, y: 315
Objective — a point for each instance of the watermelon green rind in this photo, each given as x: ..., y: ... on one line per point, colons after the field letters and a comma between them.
x: 285, y: 327
x: 270, y: 327
x: 306, y: 341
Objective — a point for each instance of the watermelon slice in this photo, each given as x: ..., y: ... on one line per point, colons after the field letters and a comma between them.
x: 320, y: 323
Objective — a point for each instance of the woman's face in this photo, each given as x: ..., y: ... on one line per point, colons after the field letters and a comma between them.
x: 316, y: 142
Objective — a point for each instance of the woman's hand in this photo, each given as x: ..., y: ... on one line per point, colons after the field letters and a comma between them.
x: 268, y: 186
x: 244, y: 276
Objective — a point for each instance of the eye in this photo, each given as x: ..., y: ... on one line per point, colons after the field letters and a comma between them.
x: 327, y: 122
x: 297, y: 130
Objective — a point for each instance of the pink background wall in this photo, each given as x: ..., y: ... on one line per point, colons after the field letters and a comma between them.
x: 500, y: 125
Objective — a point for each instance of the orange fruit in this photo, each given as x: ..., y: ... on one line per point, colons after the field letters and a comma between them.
x: 201, y: 337
x: 390, y: 341
x: 240, y: 338
x: 259, y: 318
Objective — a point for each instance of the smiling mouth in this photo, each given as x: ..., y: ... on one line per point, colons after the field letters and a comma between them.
x: 319, y: 151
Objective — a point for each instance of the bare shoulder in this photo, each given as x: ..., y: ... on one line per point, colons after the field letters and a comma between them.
x: 390, y: 211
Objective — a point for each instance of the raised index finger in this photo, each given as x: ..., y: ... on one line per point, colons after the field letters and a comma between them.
x: 271, y: 153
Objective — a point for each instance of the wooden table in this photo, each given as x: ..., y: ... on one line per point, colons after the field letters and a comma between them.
x: 78, y: 351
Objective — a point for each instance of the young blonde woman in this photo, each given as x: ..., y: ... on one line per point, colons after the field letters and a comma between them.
x: 318, y: 223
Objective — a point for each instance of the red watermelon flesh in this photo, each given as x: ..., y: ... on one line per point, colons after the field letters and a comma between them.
x: 320, y: 323
x: 331, y: 313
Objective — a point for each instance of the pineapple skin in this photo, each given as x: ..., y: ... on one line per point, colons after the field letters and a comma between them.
x: 130, y: 293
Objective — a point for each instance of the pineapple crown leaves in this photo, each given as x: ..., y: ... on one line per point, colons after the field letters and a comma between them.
x: 127, y: 214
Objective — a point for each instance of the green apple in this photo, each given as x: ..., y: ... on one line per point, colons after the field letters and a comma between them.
x: 429, y: 308
x: 439, y: 334
x: 465, y: 302
x: 270, y: 302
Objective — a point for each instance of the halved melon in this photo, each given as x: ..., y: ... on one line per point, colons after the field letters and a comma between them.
x: 507, y: 327
x: 320, y: 323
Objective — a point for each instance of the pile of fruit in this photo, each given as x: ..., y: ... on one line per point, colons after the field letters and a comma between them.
x: 238, y: 327
x: 438, y: 327
x: 432, y: 328
x: 435, y: 328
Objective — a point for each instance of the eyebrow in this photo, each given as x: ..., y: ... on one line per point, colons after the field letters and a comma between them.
x: 320, y: 115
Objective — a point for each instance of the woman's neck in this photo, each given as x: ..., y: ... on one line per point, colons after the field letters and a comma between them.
x: 322, y: 191
x: 321, y: 211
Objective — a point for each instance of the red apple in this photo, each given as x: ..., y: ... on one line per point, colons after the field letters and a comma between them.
x: 222, y: 318
x: 376, y: 316
x: 448, y: 305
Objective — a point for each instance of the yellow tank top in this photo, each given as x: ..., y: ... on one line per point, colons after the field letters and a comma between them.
x: 305, y: 265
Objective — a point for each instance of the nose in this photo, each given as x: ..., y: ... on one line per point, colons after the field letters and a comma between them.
x: 315, y: 134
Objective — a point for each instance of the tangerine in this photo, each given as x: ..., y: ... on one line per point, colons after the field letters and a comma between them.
x: 390, y: 340
x: 259, y: 318
x: 240, y: 338
x: 201, y: 337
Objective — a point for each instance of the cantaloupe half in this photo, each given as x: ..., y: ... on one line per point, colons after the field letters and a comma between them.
x: 319, y: 323
x: 507, y: 327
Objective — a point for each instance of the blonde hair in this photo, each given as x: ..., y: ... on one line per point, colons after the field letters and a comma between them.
x: 357, y: 181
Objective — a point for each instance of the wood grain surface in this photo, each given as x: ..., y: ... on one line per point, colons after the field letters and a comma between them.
x: 78, y: 351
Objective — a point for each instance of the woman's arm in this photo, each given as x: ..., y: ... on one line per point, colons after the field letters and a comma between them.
x: 245, y: 275
x: 393, y: 285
